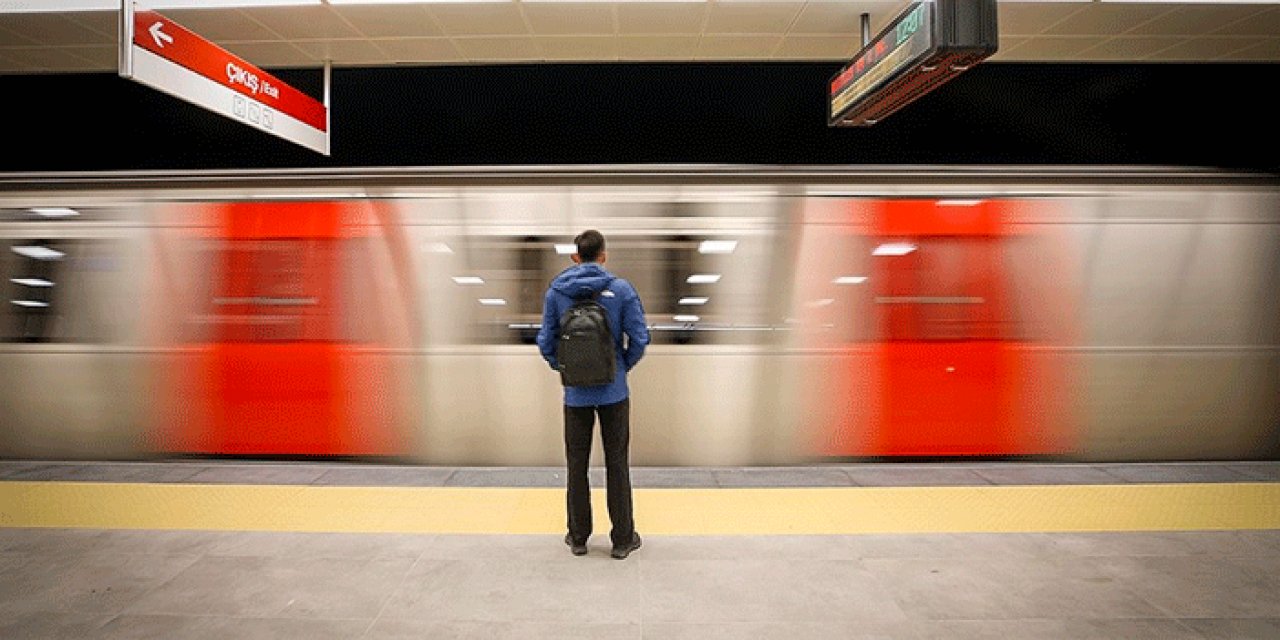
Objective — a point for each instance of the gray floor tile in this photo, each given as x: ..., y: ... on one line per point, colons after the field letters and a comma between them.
x: 318, y: 545
x: 785, y: 589
x: 33, y: 470
x: 1258, y: 542
x: 565, y: 589
x: 860, y: 630
x: 51, y: 541
x: 86, y: 582
x: 672, y: 477
x: 1236, y: 629
x: 101, y: 471
x: 357, y: 476
x: 912, y: 476
x: 1002, y: 545
x: 1266, y: 471
x: 1060, y: 629
x: 49, y: 625
x: 509, y: 548
x: 279, y: 587
x: 1047, y: 474
x: 991, y: 588
x: 1152, y: 543
x: 1175, y: 473
x: 735, y: 548
x: 1169, y: 543
x: 258, y: 474
x: 508, y: 477
x: 925, y: 545
x: 149, y: 541
x: 1203, y: 586
x: 128, y: 472
x: 162, y: 627
x: 405, y: 629
x: 781, y: 477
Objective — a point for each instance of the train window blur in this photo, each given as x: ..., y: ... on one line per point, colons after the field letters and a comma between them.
x: 273, y: 290
x: 944, y: 289
x: 60, y: 290
x: 33, y: 270
x: 501, y: 289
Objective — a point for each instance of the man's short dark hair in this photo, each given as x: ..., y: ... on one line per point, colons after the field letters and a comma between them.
x: 590, y: 245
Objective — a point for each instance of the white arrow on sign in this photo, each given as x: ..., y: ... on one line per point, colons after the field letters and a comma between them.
x: 159, y: 35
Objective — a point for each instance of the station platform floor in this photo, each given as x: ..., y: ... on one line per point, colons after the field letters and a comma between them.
x: 209, y: 549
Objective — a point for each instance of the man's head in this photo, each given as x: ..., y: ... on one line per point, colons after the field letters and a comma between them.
x: 590, y: 247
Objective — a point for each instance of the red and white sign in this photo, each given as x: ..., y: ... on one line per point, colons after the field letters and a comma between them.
x: 173, y: 59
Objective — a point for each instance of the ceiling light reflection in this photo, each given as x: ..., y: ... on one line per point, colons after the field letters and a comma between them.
x: 717, y: 246
x: 894, y: 249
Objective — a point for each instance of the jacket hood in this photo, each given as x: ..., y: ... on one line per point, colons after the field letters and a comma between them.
x: 582, y: 280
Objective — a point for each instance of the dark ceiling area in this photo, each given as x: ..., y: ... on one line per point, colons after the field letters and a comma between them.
x: 1195, y: 115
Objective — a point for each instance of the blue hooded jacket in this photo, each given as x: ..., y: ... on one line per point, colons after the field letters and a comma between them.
x: 626, y: 317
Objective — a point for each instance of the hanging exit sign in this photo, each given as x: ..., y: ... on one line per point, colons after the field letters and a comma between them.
x: 162, y: 54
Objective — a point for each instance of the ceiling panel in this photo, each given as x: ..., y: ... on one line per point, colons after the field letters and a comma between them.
x: 1120, y: 49
x: 10, y: 38
x: 1032, y: 18
x: 512, y: 49
x: 802, y: 47
x: 388, y: 21
x: 222, y: 25
x: 1107, y: 19
x: 637, y: 30
x: 648, y: 48
x: 272, y: 54
x: 42, y: 60
x: 481, y: 19
x: 1008, y: 46
x: 353, y: 52
x: 1046, y: 49
x: 1261, y: 50
x: 756, y: 17
x: 53, y: 27
x: 737, y: 47
x: 105, y: 22
x: 1197, y: 20
x: 1266, y: 23
x: 306, y: 22
x: 9, y: 65
x: 579, y: 48
x: 661, y: 18
x: 1206, y: 48
x: 831, y: 18
x: 419, y: 50
x: 570, y: 19
x: 103, y: 57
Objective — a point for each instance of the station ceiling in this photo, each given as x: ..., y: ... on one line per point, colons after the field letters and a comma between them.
x: 82, y: 37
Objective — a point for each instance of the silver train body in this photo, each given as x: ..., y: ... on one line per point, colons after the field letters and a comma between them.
x: 1153, y: 293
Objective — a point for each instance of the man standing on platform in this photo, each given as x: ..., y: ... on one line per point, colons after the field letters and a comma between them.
x: 593, y: 332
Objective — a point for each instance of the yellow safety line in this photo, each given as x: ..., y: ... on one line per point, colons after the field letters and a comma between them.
x: 753, y: 511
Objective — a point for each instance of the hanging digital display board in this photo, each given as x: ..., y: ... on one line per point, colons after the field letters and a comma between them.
x: 928, y: 44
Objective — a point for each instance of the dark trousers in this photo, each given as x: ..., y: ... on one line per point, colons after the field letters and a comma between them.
x: 615, y: 432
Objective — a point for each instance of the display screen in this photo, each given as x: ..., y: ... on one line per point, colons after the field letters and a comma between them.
x: 908, y: 39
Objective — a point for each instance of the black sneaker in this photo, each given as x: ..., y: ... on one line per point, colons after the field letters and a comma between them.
x: 578, y: 548
x: 620, y: 552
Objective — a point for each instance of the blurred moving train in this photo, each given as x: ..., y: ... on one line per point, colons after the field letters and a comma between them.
x: 798, y: 314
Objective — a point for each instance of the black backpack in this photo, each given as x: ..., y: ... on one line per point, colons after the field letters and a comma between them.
x: 584, y: 348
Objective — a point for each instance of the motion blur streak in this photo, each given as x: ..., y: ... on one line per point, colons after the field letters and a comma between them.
x: 1113, y: 314
x: 260, y: 360
x: 949, y: 364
